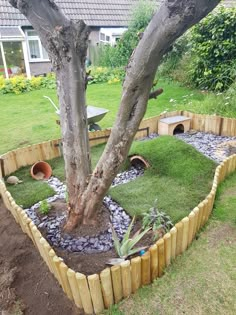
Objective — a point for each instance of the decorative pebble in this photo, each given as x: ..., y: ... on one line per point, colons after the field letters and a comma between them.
x: 207, y: 144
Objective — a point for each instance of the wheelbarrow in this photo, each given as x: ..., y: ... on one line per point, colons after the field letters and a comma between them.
x: 94, y: 114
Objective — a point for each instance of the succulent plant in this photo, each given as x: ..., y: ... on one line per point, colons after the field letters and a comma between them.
x: 125, y: 247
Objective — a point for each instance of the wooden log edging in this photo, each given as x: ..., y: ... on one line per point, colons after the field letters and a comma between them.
x: 95, y: 292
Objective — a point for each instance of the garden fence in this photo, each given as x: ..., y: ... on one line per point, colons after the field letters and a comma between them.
x: 95, y: 292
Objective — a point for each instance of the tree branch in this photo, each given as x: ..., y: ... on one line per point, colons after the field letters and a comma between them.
x: 155, y: 93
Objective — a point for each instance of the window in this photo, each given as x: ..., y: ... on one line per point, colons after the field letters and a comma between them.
x: 36, y: 51
x: 104, y: 38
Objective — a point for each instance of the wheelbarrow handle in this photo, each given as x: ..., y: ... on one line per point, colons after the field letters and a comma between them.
x: 53, y: 104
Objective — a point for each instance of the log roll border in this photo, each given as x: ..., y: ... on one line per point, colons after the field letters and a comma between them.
x: 95, y: 292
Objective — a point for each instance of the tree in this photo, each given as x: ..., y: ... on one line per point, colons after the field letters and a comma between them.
x: 66, y: 43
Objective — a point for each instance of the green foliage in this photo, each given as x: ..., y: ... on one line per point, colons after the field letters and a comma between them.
x: 180, y: 176
x: 222, y: 104
x: 117, y: 56
x: 106, y: 75
x: 44, y: 207
x: 125, y: 247
x: 156, y: 220
x: 172, y: 59
x: 20, y: 84
x: 214, y: 51
x: 23, y: 193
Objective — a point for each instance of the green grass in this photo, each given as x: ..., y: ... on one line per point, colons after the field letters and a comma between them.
x: 203, y: 279
x: 30, y: 118
x: 29, y: 191
x: 179, y: 177
x: 225, y: 204
x: 178, y: 183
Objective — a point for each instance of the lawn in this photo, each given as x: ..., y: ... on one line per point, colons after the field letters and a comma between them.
x: 29, y: 118
x: 179, y: 184
x: 203, y: 279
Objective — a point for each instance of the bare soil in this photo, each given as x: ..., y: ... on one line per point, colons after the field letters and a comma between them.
x: 26, y: 285
x: 91, y: 263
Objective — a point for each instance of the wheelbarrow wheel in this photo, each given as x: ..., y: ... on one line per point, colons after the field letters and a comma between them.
x: 94, y: 127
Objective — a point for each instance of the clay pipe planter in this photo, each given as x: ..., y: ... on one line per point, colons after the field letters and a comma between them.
x: 41, y: 170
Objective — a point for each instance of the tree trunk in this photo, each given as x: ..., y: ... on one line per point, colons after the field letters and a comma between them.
x: 66, y: 43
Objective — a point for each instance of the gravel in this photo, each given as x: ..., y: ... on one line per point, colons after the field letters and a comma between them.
x: 214, y: 147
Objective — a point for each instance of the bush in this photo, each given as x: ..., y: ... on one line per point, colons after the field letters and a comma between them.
x: 175, y: 64
x: 44, y: 207
x: 20, y: 84
x: 106, y: 75
x: 214, y: 51
x: 117, y: 56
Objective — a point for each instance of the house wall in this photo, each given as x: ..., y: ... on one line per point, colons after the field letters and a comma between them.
x: 94, y: 36
x: 39, y: 68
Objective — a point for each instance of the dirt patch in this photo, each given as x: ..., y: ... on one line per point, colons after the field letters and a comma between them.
x: 26, y: 285
x: 229, y: 192
x: 94, y: 263
x: 221, y: 233
x: 90, y: 263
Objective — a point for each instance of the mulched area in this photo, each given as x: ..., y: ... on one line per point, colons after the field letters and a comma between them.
x: 26, y: 285
x: 91, y: 263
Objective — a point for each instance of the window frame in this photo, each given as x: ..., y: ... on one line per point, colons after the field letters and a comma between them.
x: 104, y: 41
x: 35, y: 38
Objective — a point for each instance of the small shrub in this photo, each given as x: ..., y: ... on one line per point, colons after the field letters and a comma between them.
x: 214, y: 51
x: 104, y: 75
x: 20, y: 84
x: 156, y: 220
x: 125, y: 247
x: 44, y: 207
x: 173, y: 60
x: 118, y: 56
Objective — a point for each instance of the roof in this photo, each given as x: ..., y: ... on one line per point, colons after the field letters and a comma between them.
x: 101, y: 13
x: 107, y: 13
x: 11, y: 32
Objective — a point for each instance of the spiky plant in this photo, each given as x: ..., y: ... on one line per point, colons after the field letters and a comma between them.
x: 125, y: 248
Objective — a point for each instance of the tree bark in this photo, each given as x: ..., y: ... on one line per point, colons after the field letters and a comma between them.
x: 66, y: 43
x: 171, y: 21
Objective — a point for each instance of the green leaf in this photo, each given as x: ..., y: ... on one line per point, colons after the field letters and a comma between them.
x: 127, y: 233
x: 116, y: 241
x: 138, y: 238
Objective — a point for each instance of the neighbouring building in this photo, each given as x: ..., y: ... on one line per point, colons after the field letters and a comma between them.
x: 21, y: 50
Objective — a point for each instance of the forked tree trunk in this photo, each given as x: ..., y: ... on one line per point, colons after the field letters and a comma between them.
x: 66, y: 43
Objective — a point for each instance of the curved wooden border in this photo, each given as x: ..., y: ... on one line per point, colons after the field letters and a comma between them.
x: 95, y: 292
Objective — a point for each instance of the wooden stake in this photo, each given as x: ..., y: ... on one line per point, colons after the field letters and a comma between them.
x: 117, y: 284
x: 96, y: 293
x: 74, y: 288
x: 196, y: 212
x: 145, y: 268
x: 191, y: 227
x: 65, y: 282
x: 167, y: 244
x: 106, y: 284
x: 154, y: 261
x: 179, y: 239
x: 84, y: 293
x: 126, y: 278
x: 136, y: 273
x: 185, y: 222
x: 173, y: 233
x: 161, y: 256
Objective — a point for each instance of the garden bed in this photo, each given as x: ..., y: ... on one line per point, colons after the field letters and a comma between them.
x: 118, y: 281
